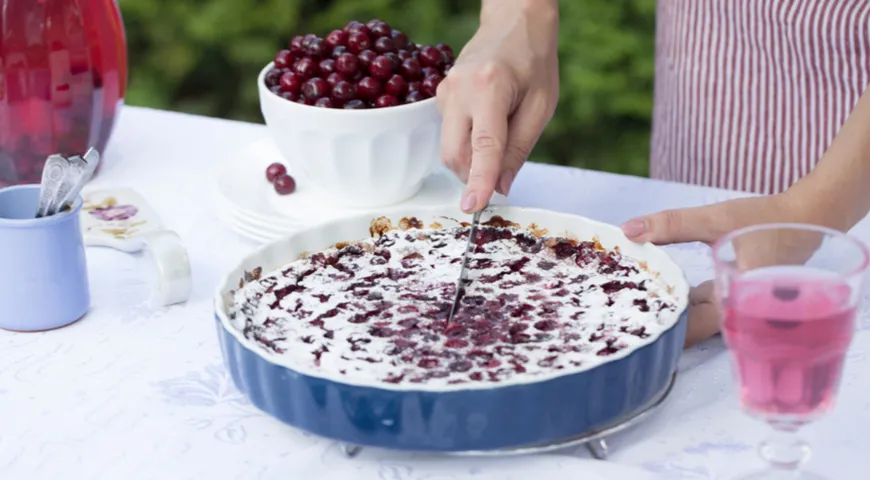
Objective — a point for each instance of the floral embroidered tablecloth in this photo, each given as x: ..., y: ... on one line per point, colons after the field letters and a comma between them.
x: 136, y: 392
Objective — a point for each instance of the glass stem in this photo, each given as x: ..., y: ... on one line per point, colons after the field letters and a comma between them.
x: 783, y: 449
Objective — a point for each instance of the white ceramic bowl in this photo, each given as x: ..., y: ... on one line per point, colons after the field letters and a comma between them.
x: 362, y: 158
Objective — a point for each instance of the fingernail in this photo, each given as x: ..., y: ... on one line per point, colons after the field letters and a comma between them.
x: 469, y: 201
x: 505, y: 182
x: 634, y: 228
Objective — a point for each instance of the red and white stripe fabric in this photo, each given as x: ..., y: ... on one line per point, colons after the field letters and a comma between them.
x: 750, y: 93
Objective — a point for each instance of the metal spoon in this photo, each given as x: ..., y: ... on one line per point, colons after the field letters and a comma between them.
x: 82, y: 169
x: 53, y: 174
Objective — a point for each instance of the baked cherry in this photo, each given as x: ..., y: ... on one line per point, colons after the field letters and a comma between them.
x: 396, y: 86
x: 284, y: 184
x: 381, y: 67
x: 290, y: 82
x: 336, y: 38
x: 347, y: 64
x: 369, y: 87
x: 386, y: 100
x: 315, y: 88
x: 358, y: 41
x: 274, y: 171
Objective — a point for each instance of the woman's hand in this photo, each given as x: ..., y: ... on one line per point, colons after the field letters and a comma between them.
x: 499, y: 96
x: 708, y: 223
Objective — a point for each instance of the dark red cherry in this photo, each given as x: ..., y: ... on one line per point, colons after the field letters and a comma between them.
x: 355, y: 104
x: 446, y: 51
x: 276, y: 89
x: 414, y: 97
x: 336, y: 38
x: 306, y: 40
x: 318, y: 48
x: 305, y: 68
x: 289, y: 96
x: 414, y: 86
x: 274, y: 171
x: 351, y: 25
x: 397, y: 62
x: 347, y: 64
x: 380, y: 29
x: 384, y: 45
x: 285, y: 185
x: 315, y: 88
x: 381, y: 67
x: 290, y: 82
x: 430, y: 71
x: 296, y: 44
x: 386, y: 100
x: 404, y: 55
x: 272, y: 77
x: 324, y: 102
x: 343, y: 91
x: 338, y: 51
x: 431, y: 57
x: 284, y: 58
x: 400, y: 40
x: 358, y: 41
x: 369, y: 88
x: 334, y: 78
x: 430, y: 84
x: 326, y: 66
x: 411, y: 69
x: 396, y: 86
x: 366, y: 57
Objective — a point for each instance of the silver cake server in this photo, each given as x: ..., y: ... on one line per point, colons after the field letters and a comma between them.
x: 463, y: 271
x: 53, y: 173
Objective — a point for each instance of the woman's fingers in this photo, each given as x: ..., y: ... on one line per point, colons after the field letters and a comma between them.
x: 489, y: 135
x: 524, y: 130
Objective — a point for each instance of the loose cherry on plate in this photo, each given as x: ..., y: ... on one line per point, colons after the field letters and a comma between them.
x: 285, y: 185
x: 274, y: 171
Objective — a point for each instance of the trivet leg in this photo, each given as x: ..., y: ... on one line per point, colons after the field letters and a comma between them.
x: 349, y: 450
x: 598, y: 448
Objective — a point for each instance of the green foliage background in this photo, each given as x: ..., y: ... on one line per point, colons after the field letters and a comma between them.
x: 202, y: 56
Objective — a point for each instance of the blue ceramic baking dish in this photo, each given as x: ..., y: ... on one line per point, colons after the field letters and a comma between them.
x: 479, y: 417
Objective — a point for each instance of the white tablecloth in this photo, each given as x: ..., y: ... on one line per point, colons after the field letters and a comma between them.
x: 135, y: 392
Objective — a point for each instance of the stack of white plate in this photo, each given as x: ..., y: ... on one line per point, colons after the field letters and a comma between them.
x: 247, y: 203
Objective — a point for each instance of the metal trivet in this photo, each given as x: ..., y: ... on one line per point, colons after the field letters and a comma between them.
x: 595, y: 441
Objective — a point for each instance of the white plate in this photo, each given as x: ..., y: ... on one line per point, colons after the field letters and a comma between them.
x: 248, y: 232
x: 241, y: 183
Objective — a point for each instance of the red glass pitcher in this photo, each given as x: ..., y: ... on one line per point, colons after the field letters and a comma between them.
x: 63, y: 75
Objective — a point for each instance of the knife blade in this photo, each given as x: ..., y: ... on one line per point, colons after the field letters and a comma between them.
x: 463, y: 269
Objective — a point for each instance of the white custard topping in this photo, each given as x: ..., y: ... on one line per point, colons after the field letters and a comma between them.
x: 377, y: 310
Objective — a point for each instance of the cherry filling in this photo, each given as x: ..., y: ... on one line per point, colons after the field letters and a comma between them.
x: 380, y: 308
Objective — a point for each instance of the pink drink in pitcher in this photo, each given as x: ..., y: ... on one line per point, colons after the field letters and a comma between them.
x: 788, y: 329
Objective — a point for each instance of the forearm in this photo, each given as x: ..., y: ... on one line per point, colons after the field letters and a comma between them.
x: 836, y: 193
x: 545, y: 10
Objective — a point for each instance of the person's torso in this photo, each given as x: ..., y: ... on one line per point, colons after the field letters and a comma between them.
x: 750, y: 93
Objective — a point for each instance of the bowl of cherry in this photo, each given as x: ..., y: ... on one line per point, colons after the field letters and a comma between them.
x: 355, y: 113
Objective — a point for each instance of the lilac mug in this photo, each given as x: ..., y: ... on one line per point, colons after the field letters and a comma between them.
x: 43, y: 270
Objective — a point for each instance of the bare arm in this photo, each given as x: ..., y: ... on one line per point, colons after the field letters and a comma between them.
x: 836, y: 193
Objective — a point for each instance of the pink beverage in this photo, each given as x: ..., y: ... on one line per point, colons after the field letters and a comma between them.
x: 788, y: 329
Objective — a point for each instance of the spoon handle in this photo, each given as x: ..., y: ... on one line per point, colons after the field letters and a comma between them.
x: 53, y: 174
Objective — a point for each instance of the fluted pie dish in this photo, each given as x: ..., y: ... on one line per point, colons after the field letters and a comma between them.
x: 342, y: 329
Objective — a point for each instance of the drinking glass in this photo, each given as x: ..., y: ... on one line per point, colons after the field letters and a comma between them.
x: 788, y: 294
